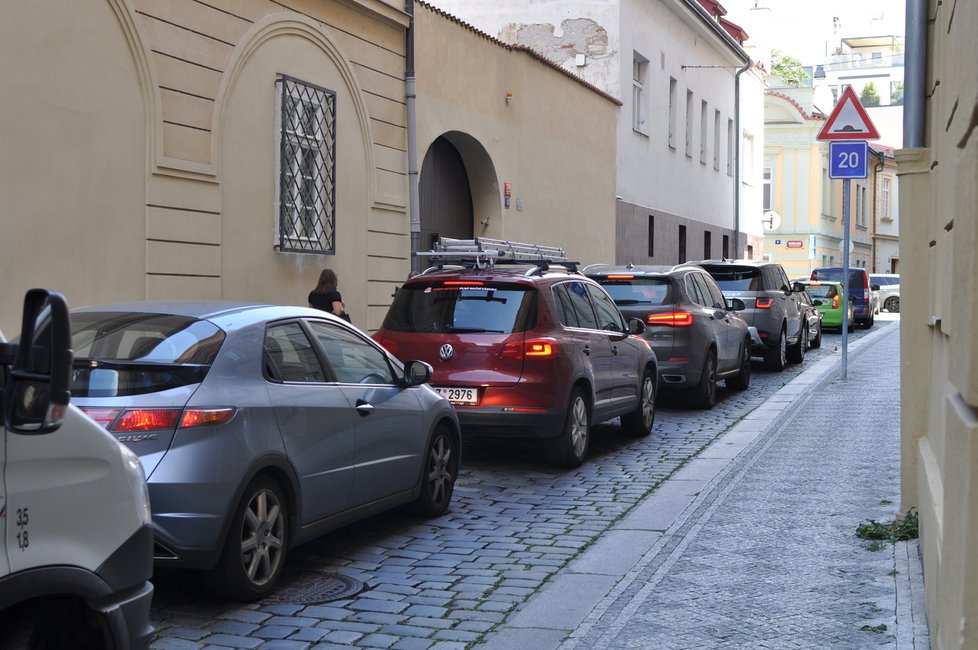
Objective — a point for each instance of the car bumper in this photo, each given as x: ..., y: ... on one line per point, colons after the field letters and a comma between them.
x: 510, y: 422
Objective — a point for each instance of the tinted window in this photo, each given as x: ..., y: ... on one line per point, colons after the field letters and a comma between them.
x: 576, y: 308
x: 354, y: 360
x: 291, y: 356
x: 441, y: 308
x: 634, y: 291
x: 138, y: 353
x: 695, y: 291
x: 736, y: 278
x: 856, y: 277
x: 821, y: 290
x: 609, y: 318
x: 711, y: 287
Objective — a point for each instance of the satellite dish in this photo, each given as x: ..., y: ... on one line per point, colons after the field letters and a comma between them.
x: 771, y: 220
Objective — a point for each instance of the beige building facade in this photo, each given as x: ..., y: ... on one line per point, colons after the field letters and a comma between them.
x: 939, y: 305
x: 218, y: 149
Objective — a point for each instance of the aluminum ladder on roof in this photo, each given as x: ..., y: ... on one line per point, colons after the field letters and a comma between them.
x: 484, y: 251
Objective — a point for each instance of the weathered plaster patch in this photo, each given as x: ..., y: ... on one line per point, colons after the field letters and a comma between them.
x: 575, y: 36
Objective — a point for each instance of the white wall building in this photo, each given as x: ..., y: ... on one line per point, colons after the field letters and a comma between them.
x: 676, y: 67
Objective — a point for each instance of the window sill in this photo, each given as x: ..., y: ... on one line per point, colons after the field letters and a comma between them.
x: 639, y: 131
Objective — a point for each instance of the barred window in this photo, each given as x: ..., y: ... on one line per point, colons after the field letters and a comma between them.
x: 307, y: 167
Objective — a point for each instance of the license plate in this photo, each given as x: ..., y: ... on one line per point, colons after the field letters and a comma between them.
x: 459, y: 395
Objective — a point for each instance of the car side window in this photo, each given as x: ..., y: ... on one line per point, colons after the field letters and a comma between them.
x: 719, y: 302
x: 289, y: 355
x: 578, y: 304
x: 354, y: 360
x: 609, y: 317
x: 694, y: 291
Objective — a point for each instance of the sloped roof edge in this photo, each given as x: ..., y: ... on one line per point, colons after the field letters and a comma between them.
x: 815, y: 115
x: 520, y: 48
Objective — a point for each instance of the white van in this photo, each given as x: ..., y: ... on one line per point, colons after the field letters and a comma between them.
x: 77, y: 550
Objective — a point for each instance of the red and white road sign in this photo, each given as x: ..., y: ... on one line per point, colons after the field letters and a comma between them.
x: 848, y: 121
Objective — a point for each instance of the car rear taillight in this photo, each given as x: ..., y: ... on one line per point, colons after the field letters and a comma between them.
x: 387, y: 344
x: 672, y: 319
x: 535, y: 348
x: 621, y: 277
x: 764, y: 303
x: 206, y: 417
x: 835, y: 301
x: 104, y: 416
x: 146, y: 420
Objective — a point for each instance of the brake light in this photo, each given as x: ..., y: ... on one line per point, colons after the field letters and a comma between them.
x: 537, y: 348
x: 103, y: 416
x: 764, y: 303
x: 672, y: 319
x: 206, y: 417
x: 387, y: 344
x: 621, y: 277
x: 462, y: 283
x: 146, y: 420
x: 835, y: 301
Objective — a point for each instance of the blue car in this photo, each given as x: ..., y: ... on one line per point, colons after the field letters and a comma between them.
x: 860, y: 293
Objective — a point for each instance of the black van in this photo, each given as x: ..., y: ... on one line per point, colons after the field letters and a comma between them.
x: 860, y: 292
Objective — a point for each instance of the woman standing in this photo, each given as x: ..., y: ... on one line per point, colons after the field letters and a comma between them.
x: 326, y: 297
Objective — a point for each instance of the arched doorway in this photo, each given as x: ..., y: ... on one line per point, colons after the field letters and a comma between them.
x: 446, y: 197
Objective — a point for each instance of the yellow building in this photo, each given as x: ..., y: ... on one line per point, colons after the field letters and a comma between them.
x: 939, y: 341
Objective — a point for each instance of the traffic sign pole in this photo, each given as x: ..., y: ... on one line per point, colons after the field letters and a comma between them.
x: 845, y: 279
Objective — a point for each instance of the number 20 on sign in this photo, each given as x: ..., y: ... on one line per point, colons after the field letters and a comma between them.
x: 848, y: 159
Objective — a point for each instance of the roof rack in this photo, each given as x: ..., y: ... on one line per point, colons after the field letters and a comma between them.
x: 483, y: 252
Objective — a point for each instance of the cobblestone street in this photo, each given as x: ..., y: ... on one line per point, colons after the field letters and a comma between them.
x: 514, y: 523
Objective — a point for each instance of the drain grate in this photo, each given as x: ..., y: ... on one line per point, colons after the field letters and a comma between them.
x: 315, y: 589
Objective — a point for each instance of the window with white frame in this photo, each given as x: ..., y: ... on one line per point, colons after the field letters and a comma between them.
x: 704, y: 127
x: 306, y: 120
x: 689, y: 123
x: 767, y: 188
x: 748, y: 153
x: 730, y: 147
x: 640, y: 71
x: 885, y: 200
x: 716, y: 140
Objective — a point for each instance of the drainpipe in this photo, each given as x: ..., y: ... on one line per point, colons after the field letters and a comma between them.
x: 915, y: 74
x: 737, y: 166
x: 414, y: 208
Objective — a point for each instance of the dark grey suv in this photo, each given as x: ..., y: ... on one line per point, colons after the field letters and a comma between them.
x: 773, y: 309
x: 696, y: 334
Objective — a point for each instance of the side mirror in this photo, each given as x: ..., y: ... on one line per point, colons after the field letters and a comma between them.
x: 636, y: 326
x: 416, y: 373
x: 37, y: 392
x: 735, y: 304
x: 875, y: 287
x: 797, y: 287
x: 816, y: 302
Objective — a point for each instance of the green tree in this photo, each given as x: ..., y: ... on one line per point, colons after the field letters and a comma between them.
x: 870, y: 96
x: 896, y: 93
x: 788, y: 68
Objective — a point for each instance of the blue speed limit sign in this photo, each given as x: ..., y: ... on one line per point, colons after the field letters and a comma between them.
x: 848, y: 159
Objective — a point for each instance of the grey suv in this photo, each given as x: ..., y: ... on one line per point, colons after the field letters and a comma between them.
x: 773, y: 309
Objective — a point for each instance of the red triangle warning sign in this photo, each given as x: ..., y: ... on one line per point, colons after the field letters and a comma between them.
x: 848, y: 121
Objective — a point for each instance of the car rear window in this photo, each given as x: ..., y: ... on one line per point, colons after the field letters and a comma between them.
x: 736, y: 278
x: 635, y: 291
x: 460, y: 307
x: 821, y: 290
x: 126, y: 353
x: 856, y: 278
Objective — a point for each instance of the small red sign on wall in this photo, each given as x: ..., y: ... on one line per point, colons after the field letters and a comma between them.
x: 795, y: 243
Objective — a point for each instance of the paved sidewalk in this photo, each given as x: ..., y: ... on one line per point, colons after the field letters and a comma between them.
x: 752, y: 544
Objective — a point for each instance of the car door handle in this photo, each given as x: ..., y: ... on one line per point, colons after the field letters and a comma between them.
x: 364, y: 408
x: 614, y: 350
x: 587, y: 350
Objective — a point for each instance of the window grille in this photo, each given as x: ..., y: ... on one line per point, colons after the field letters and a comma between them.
x: 307, y: 167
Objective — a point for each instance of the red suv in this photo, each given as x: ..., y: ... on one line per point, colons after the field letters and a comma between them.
x: 526, y: 351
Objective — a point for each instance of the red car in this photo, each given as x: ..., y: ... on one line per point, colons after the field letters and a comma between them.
x: 526, y: 350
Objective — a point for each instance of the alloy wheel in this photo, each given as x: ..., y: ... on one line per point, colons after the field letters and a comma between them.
x: 262, y: 537
x: 440, y: 477
x: 579, y: 426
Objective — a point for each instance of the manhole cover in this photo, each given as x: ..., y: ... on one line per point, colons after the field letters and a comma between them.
x: 313, y: 589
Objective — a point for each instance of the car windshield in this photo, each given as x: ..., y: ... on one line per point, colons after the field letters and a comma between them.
x: 835, y: 275
x: 127, y: 353
x: 821, y: 290
x: 456, y: 307
x: 634, y: 291
x: 736, y: 278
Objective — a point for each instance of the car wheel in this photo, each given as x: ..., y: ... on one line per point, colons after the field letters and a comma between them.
x: 570, y: 446
x: 254, y: 551
x: 741, y: 381
x: 776, y: 358
x: 817, y: 341
x: 705, y: 394
x: 638, y: 423
x: 892, y: 305
x: 796, y: 353
x: 438, y: 475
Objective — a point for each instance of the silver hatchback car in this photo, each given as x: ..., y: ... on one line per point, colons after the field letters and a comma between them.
x: 260, y: 427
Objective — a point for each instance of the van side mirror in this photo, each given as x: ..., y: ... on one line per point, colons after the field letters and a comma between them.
x: 36, y: 394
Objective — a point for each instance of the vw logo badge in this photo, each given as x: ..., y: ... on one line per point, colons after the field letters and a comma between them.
x: 446, y: 351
